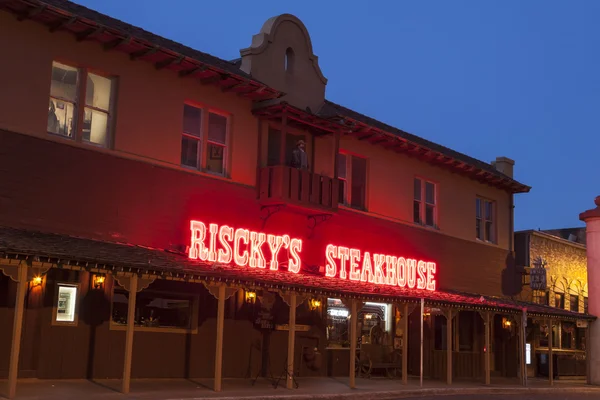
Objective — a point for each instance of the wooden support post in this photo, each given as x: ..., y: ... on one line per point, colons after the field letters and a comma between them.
x: 421, y: 357
x: 449, y: 346
x: 524, y: 349
x: 405, y: 344
x: 291, y: 340
x: 550, y: 358
x: 353, y: 340
x: 487, y: 349
x: 133, y: 287
x: 13, y: 368
x: 283, y: 138
x: 336, y: 152
x: 219, y: 347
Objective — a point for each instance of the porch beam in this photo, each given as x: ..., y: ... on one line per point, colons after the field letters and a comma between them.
x: 219, y: 345
x: 13, y: 369
x: 291, y: 341
x: 284, y: 121
x: 353, y: 328
x: 133, y: 288
x: 550, y: 361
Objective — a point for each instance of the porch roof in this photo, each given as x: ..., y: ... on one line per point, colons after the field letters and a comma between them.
x: 83, y: 253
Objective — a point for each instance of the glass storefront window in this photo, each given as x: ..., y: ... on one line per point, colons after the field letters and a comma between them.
x: 154, y: 310
x: 567, y: 335
x: 338, y: 324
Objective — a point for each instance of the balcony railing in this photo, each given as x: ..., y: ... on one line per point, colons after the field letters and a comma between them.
x: 287, y: 185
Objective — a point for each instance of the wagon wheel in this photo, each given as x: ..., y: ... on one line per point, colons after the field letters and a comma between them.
x: 363, y: 367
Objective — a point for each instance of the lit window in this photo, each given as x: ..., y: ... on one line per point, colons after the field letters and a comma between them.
x: 484, y: 220
x: 192, y: 151
x: 68, y: 86
x: 352, y: 175
x: 424, y: 205
x: 155, y: 310
x: 65, y: 309
x: 574, y: 303
x: 559, y: 300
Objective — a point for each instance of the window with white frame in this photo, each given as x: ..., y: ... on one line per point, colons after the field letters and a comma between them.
x: 424, y: 204
x: 485, y: 220
x: 209, y: 156
x: 80, y: 105
x: 352, y: 175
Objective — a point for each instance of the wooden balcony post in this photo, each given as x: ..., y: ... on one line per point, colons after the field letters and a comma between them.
x: 283, y: 137
x: 336, y: 149
x: 259, y: 158
x: 13, y: 368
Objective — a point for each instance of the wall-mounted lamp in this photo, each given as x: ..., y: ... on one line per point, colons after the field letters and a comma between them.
x: 37, y: 280
x: 506, y: 323
x: 98, y: 281
x: 250, y: 297
x: 314, y: 304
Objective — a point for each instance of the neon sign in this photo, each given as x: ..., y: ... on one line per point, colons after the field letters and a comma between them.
x: 226, y: 245
x: 242, y: 246
x: 379, y: 269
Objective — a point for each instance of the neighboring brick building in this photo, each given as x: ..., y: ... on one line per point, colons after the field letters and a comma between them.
x: 210, y: 206
x: 565, y: 261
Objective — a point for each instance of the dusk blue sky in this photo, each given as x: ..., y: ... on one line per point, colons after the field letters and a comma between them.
x: 515, y: 78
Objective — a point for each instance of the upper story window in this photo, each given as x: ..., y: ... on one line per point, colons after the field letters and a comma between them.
x: 80, y: 106
x: 574, y: 303
x: 559, y: 300
x: 424, y: 204
x: 485, y: 220
x: 204, y: 140
x: 352, y: 175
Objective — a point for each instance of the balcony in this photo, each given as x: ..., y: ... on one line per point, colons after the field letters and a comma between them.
x: 283, y: 185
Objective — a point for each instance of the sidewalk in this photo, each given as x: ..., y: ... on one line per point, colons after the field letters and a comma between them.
x: 321, y: 388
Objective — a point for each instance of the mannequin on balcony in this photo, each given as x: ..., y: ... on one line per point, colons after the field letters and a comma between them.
x: 299, y: 156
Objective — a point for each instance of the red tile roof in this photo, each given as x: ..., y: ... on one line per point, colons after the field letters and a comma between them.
x: 87, y: 253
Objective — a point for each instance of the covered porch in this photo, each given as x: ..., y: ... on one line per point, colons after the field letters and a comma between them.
x: 197, y: 320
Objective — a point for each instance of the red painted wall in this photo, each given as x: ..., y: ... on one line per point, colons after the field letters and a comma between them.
x: 58, y: 188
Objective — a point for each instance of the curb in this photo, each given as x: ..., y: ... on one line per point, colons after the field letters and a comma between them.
x: 397, y: 394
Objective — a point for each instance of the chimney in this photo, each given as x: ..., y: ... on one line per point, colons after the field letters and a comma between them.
x: 572, y: 238
x: 504, y: 165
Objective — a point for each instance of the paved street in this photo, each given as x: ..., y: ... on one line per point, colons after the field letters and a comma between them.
x: 558, y: 396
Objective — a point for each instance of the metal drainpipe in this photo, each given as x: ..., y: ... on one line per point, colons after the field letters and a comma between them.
x: 511, y: 236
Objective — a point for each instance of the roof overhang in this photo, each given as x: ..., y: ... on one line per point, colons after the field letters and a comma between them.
x: 364, y: 132
x: 138, y: 48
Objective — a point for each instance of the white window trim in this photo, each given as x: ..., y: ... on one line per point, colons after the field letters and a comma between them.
x: 203, y: 140
x: 423, y: 203
x: 494, y: 233
x: 79, y: 106
x: 75, y: 321
x: 348, y: 186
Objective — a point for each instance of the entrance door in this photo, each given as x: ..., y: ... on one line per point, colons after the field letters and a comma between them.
x: 274, y: 146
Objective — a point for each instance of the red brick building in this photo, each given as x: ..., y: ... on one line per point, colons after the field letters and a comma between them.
x: 163, y: 171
